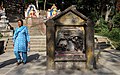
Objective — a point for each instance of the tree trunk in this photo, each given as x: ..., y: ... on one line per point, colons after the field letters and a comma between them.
x: 37, y: 4
x: 107, y: 13
x: 44, y: 5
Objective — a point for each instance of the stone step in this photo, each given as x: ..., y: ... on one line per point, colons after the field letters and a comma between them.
x: 33, y: 38
x: 32, y: 41
x: 31, y: 49
x: 32, y: 45
x: 104, y: 42
x: 41, y: 37
x: 34, y: 30
x: 37, y: 43
x: 104, y: 47
x: 33, y: 34
x: 37, y: 36
x: 31, y: 31
x: 36, y: 33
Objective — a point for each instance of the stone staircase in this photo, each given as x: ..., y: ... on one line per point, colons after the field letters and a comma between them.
x: 37, y: 43
x: 37, y: 39
x: 103, y: 43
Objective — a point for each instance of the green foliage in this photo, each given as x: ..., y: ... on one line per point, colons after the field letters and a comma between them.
x: 101, y: 28
x: 114, y: 34
x: 116, y: 20
x: 1, y: 35
x: 94, y: 16
x: 40, y: 1
x: 95, y: 10
x: 29, y: 1
x: 117, y: 45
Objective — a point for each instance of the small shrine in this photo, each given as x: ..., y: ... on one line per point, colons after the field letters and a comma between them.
x: 52, y: 12
x: 70, y: 38
x: 31, y: 12
x: 31, y: 15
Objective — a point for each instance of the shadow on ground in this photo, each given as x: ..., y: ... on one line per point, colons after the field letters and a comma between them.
x: 7, y: 62
x: 33, y: 57
x: 13, y: 61
x: 111, y: 52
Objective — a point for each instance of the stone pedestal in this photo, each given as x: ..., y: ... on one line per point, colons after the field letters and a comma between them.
x: 4, y: 28
x: 3, y: 22
x: 6, y: 32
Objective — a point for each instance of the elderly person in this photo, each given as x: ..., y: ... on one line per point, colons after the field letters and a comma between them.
x: 21, y: 42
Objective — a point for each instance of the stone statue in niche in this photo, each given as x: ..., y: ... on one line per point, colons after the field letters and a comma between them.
x: 31, y: 11
x: 53, y: 11
x: 69, y: 39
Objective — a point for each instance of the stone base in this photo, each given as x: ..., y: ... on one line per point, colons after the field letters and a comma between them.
x: 6, y: 32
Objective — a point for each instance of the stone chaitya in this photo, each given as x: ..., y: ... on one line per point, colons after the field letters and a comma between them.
x: 5, y: 27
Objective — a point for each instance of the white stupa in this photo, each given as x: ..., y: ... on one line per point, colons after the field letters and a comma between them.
x: 3, y: 22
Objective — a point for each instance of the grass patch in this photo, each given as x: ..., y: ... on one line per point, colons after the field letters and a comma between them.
x: 1, y: 35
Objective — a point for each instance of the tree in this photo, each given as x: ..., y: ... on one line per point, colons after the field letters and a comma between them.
x: 116, y: 20
x: 44, y: 5
x: 97, y: 8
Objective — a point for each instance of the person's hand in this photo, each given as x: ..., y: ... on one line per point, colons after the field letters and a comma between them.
x: 28, y: 47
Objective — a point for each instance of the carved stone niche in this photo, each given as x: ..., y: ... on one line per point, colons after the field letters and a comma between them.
x: 70, y: 34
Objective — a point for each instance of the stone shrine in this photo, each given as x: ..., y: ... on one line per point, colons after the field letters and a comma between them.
x: 70, y: 38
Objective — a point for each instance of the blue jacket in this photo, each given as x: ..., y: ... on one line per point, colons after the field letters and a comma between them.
x: 21, y: 38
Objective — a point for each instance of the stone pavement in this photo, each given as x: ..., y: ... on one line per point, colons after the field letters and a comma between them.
x: 109, y: 64
x: 110, y: 59
x: 36, y: 64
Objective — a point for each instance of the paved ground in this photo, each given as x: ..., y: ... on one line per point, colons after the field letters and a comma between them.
x: 36, y: 64
x: 110, y: 59
x: 109, y: 64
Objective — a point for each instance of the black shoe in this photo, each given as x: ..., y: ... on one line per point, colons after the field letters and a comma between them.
x: 24, y: 62
x: 18, y: 63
